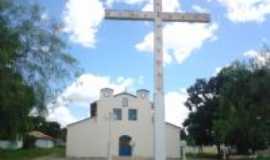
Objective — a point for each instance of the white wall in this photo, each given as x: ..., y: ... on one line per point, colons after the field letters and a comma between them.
x: 43, y: 143
x: 206, y: 149
x: 86, y: 139
x: 4, y: 144
x: 140, y: 130
x: 173, y: 141
x: 90, y: 137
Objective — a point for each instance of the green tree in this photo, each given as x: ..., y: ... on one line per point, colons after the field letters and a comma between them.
x: 33, y: 60
x: 41, y: 57
x: 232, y: 108
x: 17, y: 99
x: 244, y: 107
x: 203, y: 104
x: 50, y: 128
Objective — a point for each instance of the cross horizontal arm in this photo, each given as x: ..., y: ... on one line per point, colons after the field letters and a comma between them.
x: 150, y: 16
x: 129, y: 15
x: 186, y: 17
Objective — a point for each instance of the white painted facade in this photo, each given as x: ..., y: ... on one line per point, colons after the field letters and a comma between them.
x: 98, y: 136
x: 44, y: 143
x: 13, y: 145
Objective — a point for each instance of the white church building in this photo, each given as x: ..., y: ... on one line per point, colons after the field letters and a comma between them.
x: 120, y: 125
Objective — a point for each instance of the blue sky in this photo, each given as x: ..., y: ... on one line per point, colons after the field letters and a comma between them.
x: 118, y: 54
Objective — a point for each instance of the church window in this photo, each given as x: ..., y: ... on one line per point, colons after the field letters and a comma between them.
x: 117, y: 114
x: 132, y: 114
x: 125, y: 102
x: 106, y: 94
x: 93, y: 110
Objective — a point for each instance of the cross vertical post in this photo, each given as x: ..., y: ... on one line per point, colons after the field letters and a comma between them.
x: 158, y: 17
x: 159, y: 104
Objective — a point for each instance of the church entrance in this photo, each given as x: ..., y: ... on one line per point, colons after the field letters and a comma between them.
x: 125, y: 148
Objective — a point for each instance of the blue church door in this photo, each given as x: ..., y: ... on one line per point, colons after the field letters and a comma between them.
x: 125, y: 148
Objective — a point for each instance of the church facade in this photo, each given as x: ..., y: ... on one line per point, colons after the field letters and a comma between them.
x: 120, y: 125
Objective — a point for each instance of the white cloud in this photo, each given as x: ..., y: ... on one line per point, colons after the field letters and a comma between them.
x: 251, y: 54
x: 176, y: 112
x: 62, y: 115
x: 199, y: 9
x: 167, y: 6
x: 217, y: 71
x: 260, y: 59
x: 81, y: 20
x: 130, y: 2
x: 86, y: 88
x: 180, y: 40
x: 44, y: 16
x: 246, y: 10
x: 83, y: 91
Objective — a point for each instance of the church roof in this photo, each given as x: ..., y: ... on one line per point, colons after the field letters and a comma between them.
x: 143, y: 90
x: 125, y: 93
x: 71, y: 124
x: 168, y: 123
x: 171, y: 124
x: 40, y: 135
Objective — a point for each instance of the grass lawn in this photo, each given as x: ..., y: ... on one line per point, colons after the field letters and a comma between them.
x: 263, y: 158
x: 28, y: 154
x: 210, y: 156
x: 191, y: 156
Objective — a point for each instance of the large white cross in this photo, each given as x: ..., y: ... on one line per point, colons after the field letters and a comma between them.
x: 158, y: 17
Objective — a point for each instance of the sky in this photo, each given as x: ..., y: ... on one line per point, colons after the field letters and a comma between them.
x: 118, y: 54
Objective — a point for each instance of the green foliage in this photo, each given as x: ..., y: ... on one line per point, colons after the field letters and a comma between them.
x: 16, y: 100
x: 8, y: 43
x: 202, y: 156
x: 35, y: 47
x: 28, y: 142
x: 202, y: 103
x: 233, y: 107
x: 33, y: 59
x: 262, y: 158
x: 244, y: 107
x: 52, y: 129
x: 39, y: 123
